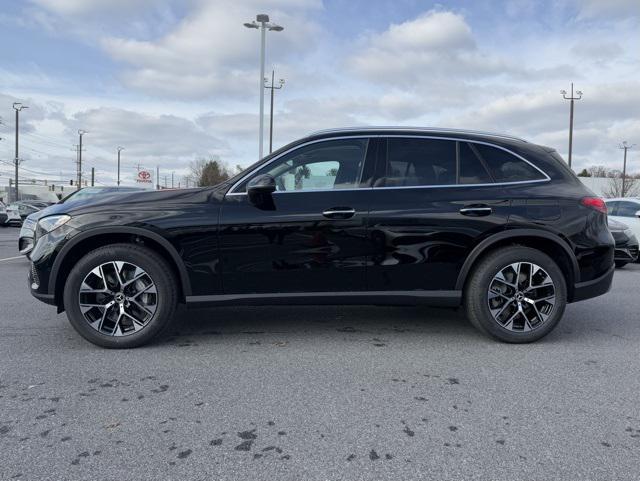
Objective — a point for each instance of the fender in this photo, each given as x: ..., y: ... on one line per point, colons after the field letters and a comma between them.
x: 184, y: 277
x: 508, y: 234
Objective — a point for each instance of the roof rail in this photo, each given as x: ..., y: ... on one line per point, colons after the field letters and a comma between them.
x: 417, y: 129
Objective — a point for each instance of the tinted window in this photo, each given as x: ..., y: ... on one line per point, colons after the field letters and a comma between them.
x: 472, y: 169
x: 612, y: 207
x: 419, y: 162
x: 333, y: 164
x: 505, y: 167
x: 627, y: 209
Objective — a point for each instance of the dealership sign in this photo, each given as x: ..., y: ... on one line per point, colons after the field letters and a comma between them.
x: 144, y: 177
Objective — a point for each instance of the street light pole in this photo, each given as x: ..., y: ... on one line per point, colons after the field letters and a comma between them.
x: 272, y: 87
x: 80, y: 133
x: 625, y: 146
x: 17, y: 106
x: 571, y: 98
x: 262, y: 22
x: 120, y: 149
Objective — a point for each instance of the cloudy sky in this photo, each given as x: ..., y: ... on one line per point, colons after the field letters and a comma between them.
x: 176, y: 80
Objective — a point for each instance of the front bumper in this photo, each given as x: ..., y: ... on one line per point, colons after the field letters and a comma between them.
x: 627, y: 251
x: 593, y: 288
x: 43, y: 257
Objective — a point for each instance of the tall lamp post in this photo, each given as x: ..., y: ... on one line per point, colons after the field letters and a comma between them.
x: 80, y: 134
x: 272, y: 87
x: 120, y: 149
x: 262, y: 22
x: 572, y: 99
x: 625, y: 146
x: 17, y: 106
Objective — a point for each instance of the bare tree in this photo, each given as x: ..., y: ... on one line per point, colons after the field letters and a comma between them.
x: 209, y: 172
x: 614, y: 189
x: 597, y: 171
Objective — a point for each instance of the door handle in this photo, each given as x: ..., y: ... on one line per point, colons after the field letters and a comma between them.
x: 476, y: 210
x: 339, y: 213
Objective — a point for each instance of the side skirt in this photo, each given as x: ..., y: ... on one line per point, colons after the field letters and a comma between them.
x: 403, y: 298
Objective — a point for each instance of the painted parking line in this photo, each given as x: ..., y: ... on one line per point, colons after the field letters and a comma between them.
x: 11, y: 258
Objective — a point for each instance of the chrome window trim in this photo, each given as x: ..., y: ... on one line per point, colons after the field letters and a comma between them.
x: 410, y: 136
x: 417, y: 130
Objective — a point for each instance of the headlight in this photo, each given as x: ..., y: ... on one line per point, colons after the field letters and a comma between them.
x: 51, y: 223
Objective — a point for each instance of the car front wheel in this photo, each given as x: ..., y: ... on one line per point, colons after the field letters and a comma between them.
x: 516, y: 294
x: 120, y: 295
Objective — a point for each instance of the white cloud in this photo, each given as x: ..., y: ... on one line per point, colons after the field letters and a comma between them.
x: 436, y: 52
x: 80, y: 7
x: 188, y: 73
x: 210, y: 52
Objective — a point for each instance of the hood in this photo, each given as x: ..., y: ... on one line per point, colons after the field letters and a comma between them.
x: 146, y: 200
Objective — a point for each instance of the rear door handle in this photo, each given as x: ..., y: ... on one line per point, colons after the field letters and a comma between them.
x: 339, y: 213
x: 476, y: 210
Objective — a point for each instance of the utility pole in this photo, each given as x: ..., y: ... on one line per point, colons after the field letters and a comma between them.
x: 120, y: 149
x: 157, y: 177
x: 17, y: 106
x: 262, y: 23
x: 625, y: 146
x: 572, y: 99
x: 272, y: 87
x: 80, y: 133
x: 93, y: 175
x: 172, y: 179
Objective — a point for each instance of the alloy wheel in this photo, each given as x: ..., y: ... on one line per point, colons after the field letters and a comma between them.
x: 118, y: 298
x: 521, y: 296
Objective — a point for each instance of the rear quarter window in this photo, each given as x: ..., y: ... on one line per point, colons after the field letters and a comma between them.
x: 506, y: 167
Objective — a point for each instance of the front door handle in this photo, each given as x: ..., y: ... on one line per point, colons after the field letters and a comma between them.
x: 476, y: 210
x: 339, y: 213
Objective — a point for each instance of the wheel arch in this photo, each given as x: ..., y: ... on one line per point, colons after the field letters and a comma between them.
x: 89, y: 240
x: 543, y: 241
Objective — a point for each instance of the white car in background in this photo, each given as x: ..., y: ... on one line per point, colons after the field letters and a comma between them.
x: 627, y: 211
x: 13, y: 215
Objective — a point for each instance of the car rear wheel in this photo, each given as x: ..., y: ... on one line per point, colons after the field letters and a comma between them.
x: 516, y: 294
x: 120, y: 296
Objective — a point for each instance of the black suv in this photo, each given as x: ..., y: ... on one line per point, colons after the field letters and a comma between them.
x: 349, y: 216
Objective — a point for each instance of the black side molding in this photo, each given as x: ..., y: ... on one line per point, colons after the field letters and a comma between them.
x: 431, y: 298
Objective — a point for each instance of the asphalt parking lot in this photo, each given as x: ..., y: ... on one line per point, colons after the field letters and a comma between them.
x: 320, y: 393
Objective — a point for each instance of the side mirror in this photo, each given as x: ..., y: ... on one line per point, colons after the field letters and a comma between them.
x: 638, y: 214
x: 259, y: 190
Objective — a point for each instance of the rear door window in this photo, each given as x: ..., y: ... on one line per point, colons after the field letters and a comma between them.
x: 419, y: 162
x: 473, y: 170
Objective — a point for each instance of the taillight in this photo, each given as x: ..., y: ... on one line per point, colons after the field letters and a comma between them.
x: 595, y: 203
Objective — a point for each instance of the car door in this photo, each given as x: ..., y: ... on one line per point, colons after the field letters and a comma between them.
x: 626, y: 211
x: 434, y: 198
x: 312, y: 235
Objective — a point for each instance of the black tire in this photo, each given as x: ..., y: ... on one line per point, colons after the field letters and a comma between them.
x: 477, y: 288
x: 158, y: 270
x: 621, y: 264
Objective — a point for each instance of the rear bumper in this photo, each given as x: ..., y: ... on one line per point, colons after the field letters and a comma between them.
x: 593, y: 288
